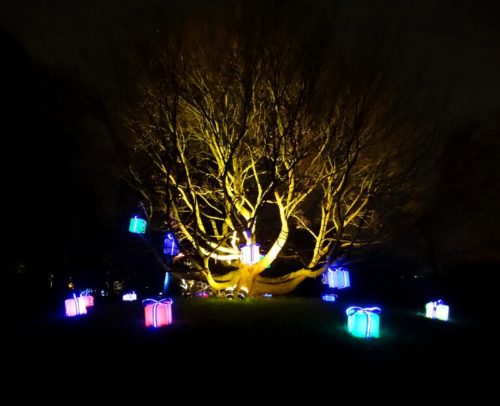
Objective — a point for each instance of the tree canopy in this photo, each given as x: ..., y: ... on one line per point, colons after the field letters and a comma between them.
x: 258, y: 130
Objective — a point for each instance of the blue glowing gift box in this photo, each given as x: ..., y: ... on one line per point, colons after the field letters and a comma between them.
x: 336, y: 278
x: 158, y: 313
x: 129, y: 297
x: 363, y: 322
x: 170, y: 244
x: 437, y: 310
x: 137, y: 225
x: 329, y: 297
x: 75, y: 306
x: 250, y: 253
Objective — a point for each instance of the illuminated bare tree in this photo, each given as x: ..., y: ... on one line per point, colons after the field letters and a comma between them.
x: 242, y: 138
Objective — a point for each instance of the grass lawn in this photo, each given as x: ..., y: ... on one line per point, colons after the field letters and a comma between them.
x: 291, y: 333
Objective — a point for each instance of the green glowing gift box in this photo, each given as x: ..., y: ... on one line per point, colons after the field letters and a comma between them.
x: 137, y: 225
x: 363, y: 322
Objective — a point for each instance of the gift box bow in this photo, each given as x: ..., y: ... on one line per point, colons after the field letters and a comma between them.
x: 367, y: 310
x: 154, y: 301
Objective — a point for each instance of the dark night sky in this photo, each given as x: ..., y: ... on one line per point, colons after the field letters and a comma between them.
x: 454, y: 42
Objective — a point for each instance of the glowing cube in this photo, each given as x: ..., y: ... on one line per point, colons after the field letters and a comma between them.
x: 88, y: 299
x: 137, y: 225
x: 170, y: 245
x: 363, y: 322
x: 158, y: 313
x: 437, y: 310
x: 336, y: 278
x: 329, y: 297
x: 250, y: 253
x: 75, y: 306
x: 129, y: 297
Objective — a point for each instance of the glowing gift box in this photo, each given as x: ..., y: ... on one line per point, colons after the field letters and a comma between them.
x: 88, y: 299
x: 329, y: 297
x: 129, y: 297
x: 75, y: 306
x: 363, y: 322
x: 250, y: 253
x: 437, y: 310
x: 170, y: 245
x: 336, y: 278
x: 158, y: 313
x: 137, y: 225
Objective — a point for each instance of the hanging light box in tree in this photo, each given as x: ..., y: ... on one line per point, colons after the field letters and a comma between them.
x: 437, y: 310
x: 170, y: 245
x: 75, y: 306
x: 337, y: 277
x: 250, y: 253
x: 363, y: 322
x: 137, y: 225
x: 158, y: 313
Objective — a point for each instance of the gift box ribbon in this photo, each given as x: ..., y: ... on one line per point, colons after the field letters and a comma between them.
x: 435, y: 306
x: 366, y: 311
x: 77, y: 304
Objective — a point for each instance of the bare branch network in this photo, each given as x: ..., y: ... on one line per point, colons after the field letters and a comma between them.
x: 265, y: 133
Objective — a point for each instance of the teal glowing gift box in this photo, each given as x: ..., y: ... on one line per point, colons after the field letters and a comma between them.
x: 137, y: 225
x: 437, y: 310
x: 363, y: 322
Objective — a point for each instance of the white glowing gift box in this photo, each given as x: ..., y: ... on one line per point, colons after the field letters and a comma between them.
x: 250, y: 253
x: 437, y: 310
x: 158, y: 313
x: 75, y: 306
x: 336, y: 278
x: 129, y: 297
x: 363, y: 322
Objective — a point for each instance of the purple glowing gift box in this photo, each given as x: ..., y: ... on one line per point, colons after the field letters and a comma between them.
x: 437, y: 310
x: 337, y: 277
x: 75, y: 306
x: 363, y: 322
x: 158, y: 313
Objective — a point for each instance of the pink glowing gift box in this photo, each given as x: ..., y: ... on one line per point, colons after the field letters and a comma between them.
x: 158, y: 313
x: 75, y: 306
x: 88, y: 299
